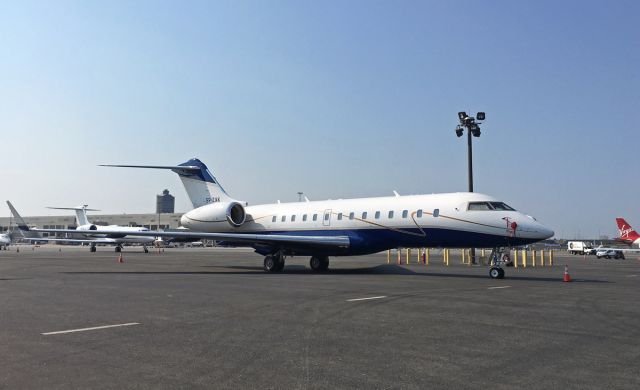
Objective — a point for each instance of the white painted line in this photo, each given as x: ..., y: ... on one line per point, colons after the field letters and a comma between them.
x: 494, y: 288
x: 93, y: 328
x: 631, y: 276
x: 365, y: 299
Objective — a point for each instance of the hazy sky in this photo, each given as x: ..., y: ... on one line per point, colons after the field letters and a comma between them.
x: 334, y: 98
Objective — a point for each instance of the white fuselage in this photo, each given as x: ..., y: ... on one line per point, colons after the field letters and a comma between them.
x: 5, y: 240
x: 119, y: 237
x: 374, y: 224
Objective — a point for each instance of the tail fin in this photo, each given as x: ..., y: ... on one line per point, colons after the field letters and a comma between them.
x: 627, y: 233
x: 81, y: 213
x: 199, y: 183
x: 19, y: 221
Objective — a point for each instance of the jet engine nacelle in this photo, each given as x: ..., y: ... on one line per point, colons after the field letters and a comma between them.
x: 87, y: 227
x: 233, y: 212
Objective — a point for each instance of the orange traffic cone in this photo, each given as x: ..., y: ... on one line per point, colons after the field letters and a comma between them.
x: 566, y: 277
x: 120, y: 259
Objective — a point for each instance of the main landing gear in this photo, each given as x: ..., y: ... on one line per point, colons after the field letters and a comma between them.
x: 319, y: 263
x: 498, y: 258
x: 274, y: 262
x: 92, y: 248
x: 145, y: 249
x: 118, y: 248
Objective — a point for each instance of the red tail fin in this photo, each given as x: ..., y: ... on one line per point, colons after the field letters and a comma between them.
x: 627, y: 233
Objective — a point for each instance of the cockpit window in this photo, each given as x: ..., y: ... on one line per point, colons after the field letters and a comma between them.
x: 487, y: 206
x: 501, y: 206
x: 479, y: 206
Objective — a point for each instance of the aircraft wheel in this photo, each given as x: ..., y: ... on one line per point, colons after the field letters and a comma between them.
x: 496, y: 273
x: 279, y: 265
x: 146, y: 250
x: 325, y: 264
x: 92, y: 249
x: 270, y: 264
x: 316, y: 263
x: 118, y: 249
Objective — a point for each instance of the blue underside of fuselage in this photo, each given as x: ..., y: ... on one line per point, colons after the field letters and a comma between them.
x: 366, y: 241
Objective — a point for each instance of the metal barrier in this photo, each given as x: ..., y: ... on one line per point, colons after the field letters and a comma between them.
x: 519, y: 259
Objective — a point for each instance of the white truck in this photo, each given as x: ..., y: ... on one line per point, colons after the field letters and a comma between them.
x: 579, y: 248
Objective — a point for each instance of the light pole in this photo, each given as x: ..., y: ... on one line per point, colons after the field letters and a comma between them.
x: 471, y: 124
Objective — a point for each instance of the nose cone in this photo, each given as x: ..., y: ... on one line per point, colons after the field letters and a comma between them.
x: 185, y: 221
x: 533, y: 229
x: 546, y: 232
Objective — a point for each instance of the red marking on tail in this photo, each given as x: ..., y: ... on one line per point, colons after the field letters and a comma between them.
x: 627, y: 234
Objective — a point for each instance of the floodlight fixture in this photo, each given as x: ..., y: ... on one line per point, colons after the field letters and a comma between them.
x: 459, y: 131
x: 462, y: 116
x: 480, y: 116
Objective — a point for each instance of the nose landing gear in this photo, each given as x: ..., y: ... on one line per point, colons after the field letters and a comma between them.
x: 498, y: 258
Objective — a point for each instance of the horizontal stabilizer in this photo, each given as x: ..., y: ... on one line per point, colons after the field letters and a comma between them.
x: 73, y: 208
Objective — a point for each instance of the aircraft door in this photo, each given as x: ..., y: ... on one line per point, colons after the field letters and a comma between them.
x: 326, y: 218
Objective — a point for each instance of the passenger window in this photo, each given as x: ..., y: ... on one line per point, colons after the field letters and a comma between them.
x: 273, y: 219
x: 315, y: 217
x: 419, y: 213
x: 304, y: 217
x: 405, y: 213
x: 364, y: 215
x: 326, y: 216
x: 390, y: 214
x: 377, y: 215
x: 351, y: 215
x: 293, y: 218
x: 284, y: 218
x: 339, y: 216
x: 436, y: 213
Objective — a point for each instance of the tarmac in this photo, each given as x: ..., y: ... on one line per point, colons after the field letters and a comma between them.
x: 210, y: 318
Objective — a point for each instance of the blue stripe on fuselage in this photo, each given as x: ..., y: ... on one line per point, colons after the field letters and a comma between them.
x: 366, y: 241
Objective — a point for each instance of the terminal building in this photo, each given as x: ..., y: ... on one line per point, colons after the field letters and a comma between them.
x: 165, y: 218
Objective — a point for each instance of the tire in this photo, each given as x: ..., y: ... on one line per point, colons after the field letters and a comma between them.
x: 494, y: 273
x: 501, y: 273
x: 270, y: 264
x: 325, y: 263
x: 118, y: 249
x: 316, y: 263
x: 279, y: 266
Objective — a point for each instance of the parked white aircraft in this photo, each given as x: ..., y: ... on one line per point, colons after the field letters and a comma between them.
x: 347, y: 227
x: 5, y: 241
x: 109, y: 235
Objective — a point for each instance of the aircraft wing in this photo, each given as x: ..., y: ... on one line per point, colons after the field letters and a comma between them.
x: 268, y: 239
x: 81, y: 241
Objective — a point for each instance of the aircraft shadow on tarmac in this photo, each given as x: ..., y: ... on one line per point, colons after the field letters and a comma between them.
x: 302, y: 270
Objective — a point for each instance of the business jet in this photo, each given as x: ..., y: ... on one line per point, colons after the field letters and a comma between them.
x: 5, y: 241
x: 347, y: 227
x: 110, y: 235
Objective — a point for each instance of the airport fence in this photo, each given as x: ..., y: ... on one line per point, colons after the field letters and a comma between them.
x: 517, y: 257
